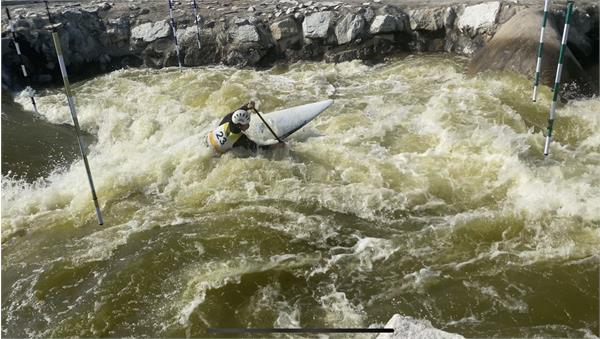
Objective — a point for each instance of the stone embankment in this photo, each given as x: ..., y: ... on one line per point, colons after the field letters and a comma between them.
x: 101, y: 36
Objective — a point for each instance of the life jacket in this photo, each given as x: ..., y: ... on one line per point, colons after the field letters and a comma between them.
x: 222, y: 139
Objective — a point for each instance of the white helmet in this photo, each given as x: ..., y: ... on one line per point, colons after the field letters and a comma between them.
x: 240, y: 117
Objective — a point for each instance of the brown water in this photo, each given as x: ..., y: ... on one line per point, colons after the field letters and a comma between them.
x: 419, y: 191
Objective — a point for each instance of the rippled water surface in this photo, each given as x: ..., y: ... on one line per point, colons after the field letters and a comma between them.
x: 420, y: 191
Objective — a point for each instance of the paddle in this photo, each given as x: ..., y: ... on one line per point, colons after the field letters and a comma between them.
x: 269, y: 127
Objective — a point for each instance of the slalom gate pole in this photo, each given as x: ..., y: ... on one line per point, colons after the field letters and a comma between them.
x: 71, y: 101
x: 195, y: 7
x: 559, y: 68
x: 538, y: 66
x: 28, y: 89
x: 174, y: 28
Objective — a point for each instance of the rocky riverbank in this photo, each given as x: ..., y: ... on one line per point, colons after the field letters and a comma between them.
x: 98, y: 37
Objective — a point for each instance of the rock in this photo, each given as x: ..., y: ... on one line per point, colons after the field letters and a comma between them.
x: 144, y: 11
x: 580, y: 34
x: 514, y: 44
x: 580, y: 44
x: 105, y: 6
x: 44, y: 78
x: 285, y: 29
x: 185, y: 35
x: 317, y: 25
x: 507, y: 11
x: 583, y: 21
x: 246, y: 33
x: 449, y: 17
x: 384, y: 24
x: 427, y: 19
x: 478, y: 17
x: 149, y: 32
x: 251, y: 9
x: 104, y: 58
x: 117, y: 34
x: 241, y: 21
x: 368, y: 14
x: 349, y: 28
x: 289, y: 11
x: 299, y: 16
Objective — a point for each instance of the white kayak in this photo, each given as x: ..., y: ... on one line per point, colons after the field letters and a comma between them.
x: 284, y: 122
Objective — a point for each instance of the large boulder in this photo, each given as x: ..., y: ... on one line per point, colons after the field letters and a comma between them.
x: 349, y: 28
x: 210, y: 51
x: 246, y: 33
x: 287, y: 33
x: 285, y: 29
x: 514, y: 47
x: 117, y: 35
x: 247, y: 44
x: 427, y: 19
x: 187, y: 35
x: 387, y: 23
x: 478, y: 18
x: 317, y: 25
x: 151, y: 31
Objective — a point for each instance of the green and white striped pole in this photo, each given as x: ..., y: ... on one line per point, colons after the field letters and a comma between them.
x: 195, y: 7
x: 557, y: 80
x: 538, y: 66
x: 71, y: 101
x: 174, y: 28
x: 28, y: 89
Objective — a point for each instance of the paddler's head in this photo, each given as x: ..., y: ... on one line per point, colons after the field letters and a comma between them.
x: 241, y: 118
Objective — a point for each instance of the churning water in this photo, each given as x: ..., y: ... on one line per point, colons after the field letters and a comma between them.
x: 420, y: 191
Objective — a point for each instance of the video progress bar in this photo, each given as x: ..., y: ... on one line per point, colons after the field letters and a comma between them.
x: 300, y: 330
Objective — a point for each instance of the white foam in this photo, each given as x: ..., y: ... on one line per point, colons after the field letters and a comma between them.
x: 339, y: 311
x: 407, y: 327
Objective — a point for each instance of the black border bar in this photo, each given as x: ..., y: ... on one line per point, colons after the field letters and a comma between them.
x: 299, y: 330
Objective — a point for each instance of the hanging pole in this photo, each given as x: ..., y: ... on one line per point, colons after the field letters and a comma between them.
x: 28, y: 89
x: 538, y: 66
x: 174, y: 28
x: 559, y: 68
x: 71, y: 101
x: 198, y: 28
